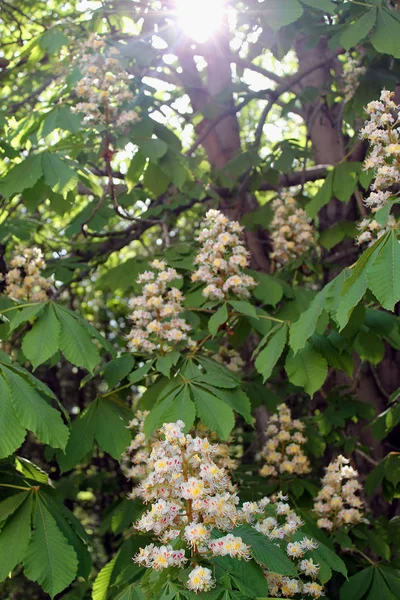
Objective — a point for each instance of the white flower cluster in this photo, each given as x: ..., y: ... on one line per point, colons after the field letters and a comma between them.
x: 24, y: 280
x: 104, y: 85
x: 283, y: 452
x: 222, y: 258
x: 383, y: 135
x: 292, y: 234
x: 230, y: 358
x: 191, y: 495
x: 337, y: 504
x: 156, y: 321
x: 280, y: 586
x: 352, y: 73
x: 133, y: 461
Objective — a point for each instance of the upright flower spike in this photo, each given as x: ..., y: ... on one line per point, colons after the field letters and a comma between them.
x: 352, y: 73
x: 156, y: 321
x: 134, y: 459
x: 292, y: 234
x: 104, y: 85
x: 191, y: 496
x: 24, y: 280
x: 383, y: 134
x: 337, y: 503
x: 283, y: 451
x: 222, y: 259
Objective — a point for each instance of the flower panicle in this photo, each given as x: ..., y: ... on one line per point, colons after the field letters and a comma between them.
x: 222, y: 259
x: 383, y: 134
x: 338, y: 503
x: 283, y: 451
x: 191, y: 497
x: 156, y: 312
x: 104, y: 85
x: 24, y: 280
x: 292, y: 233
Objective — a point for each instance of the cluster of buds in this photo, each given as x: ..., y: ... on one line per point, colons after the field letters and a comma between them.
x: 230, y: 358
x: 191, y: 495
x: 104, y: 85
x: 134, y: 459
x: 337, y: 504
x: 222, y: 258
x: 155, y: 316
x: 352, y: 73
x: 283, y: 452
x: 292, y: 234
x: 24, y: 280
x: 383, y: 135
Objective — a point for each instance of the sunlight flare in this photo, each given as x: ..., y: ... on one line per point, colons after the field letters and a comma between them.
x: 200, y: 19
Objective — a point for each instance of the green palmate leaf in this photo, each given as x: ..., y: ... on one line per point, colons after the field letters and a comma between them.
x: 50, y: 559
x: 277, y: 14
x: 214, y: 413
x: 181, y: 408
x: 165, y: 363
x: 42, y: 341
x: 383, y: 274
x: 217, y: 374
x: 53, y: 40
x: 356, y: 285
x: 75, y: 341
x: 111, y: 432
x: 155, y: 180
x: 369, y: 347
x: 235, y: 398
x: 58, y: 174
x: 135, y: 170
x: 328, y: 556
x: 334, y: 235
x: 152, y: 148
x: 10, y: 505
x: 322, y: 198
x: 133, y: 592
x: 265, y: 551
x: 14, y: 537
x: 25, y: 314
x: 386, y: 37
x: 12, y: 433
x: 305, y: 326
x: 218, y: 319
x: 379, y: 588
x: 335, y: 358
x: 160, y: 405
x: 375, y: 478
x: 324, y: 5
x: 118, y: 369
x: 345, y: 177
x: 103, y: 580
x: 141, y: 372
x: 72, y: 530
x: 30, y: 470
x: 33, y: 412
x: 105, y: 421
x: 22, y: 176
x: 358, y: 29
x: 268, y: 289
x: 247, y: 576
x: 269, y: 356
x: 307, y: 369
x: 244, y: 308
